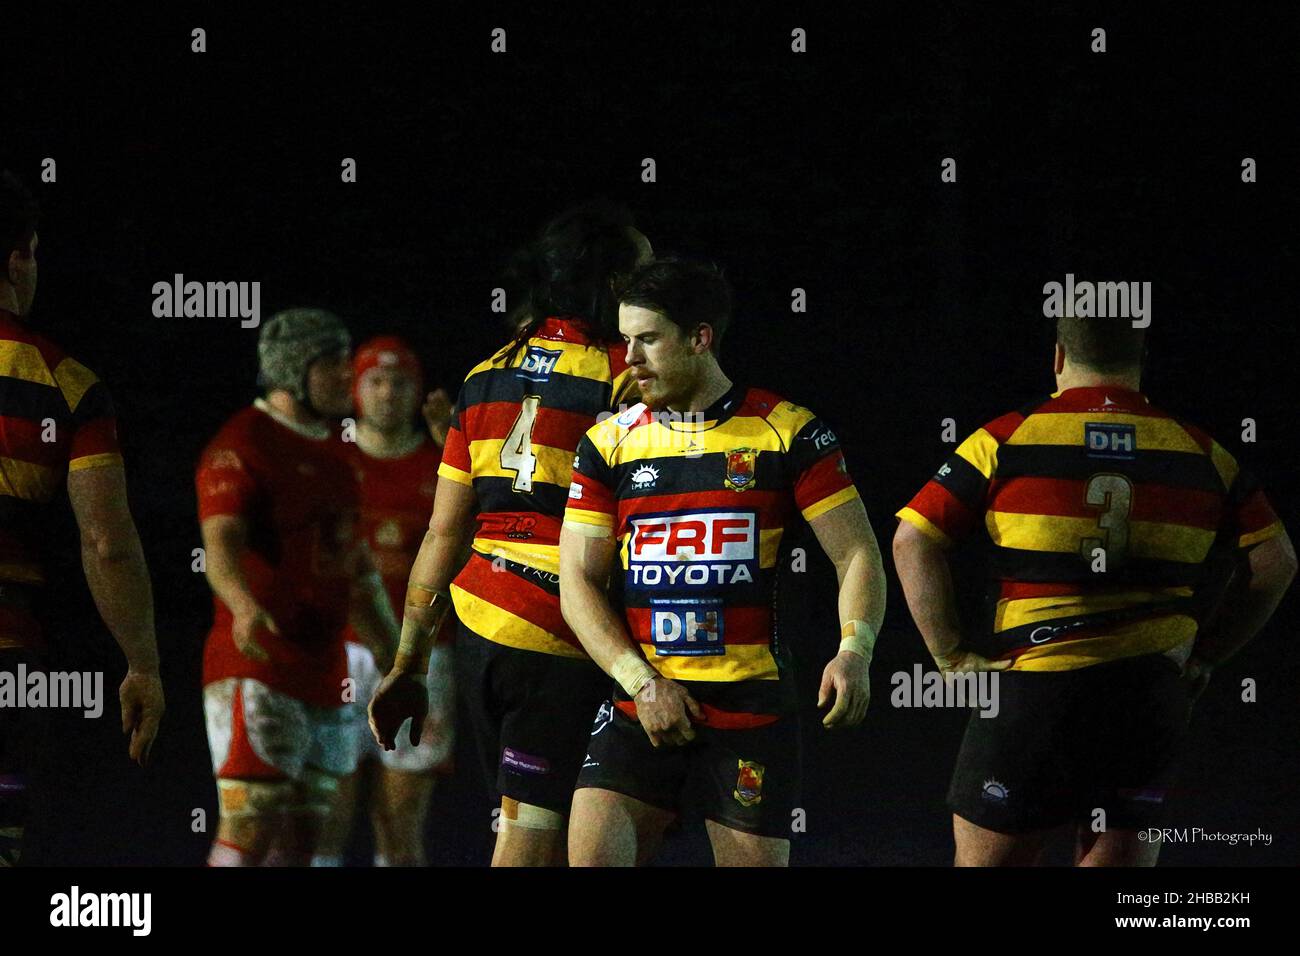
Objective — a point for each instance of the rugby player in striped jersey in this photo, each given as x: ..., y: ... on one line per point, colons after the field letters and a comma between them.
x: 1101, y: 515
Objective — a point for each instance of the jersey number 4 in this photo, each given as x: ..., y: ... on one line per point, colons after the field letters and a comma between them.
x: 1113, y: 495
x: 517, y: 450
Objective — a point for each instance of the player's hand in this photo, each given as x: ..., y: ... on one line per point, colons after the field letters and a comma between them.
x: 846, y: 678
x: 400, y: 695
x: 141, y: 699
x: 963, y: 661
x: 1196, y: 673
x: 437, y: 415
x: 244, y: 631
x: 665, y: 708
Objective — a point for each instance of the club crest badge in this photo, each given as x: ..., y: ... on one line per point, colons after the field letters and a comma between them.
x: 749, y: 783
x: 741, y: 466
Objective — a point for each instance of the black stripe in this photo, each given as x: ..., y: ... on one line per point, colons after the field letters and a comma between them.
x: 1177, y: 469
x: 1014, y: 564
x: 965, y: 481
x: 546, y: 580
x: 498, y: 494
x: 682, y: 475
x: 1073, y: 627
x: 95, y: 403
x: 569, y: 393
x: 22, y: 399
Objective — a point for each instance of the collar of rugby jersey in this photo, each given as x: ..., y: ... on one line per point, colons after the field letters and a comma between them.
x: 714, y: 415
x: 1129, y: 396
x: 565, y: 328
x: 318, y: 432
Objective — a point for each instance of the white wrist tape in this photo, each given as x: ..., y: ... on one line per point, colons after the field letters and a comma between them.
x: 632, y: 671
x: 857, y: 637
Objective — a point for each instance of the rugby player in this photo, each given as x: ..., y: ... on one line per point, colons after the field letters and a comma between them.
x: 57, y: 427
x: 530, y: 688
x: 278, y: 502
x: 399, y: 471
x: 691, y: 492
x: 1100, y: 512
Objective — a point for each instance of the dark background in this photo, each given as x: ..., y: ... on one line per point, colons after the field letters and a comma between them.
x: 818, y: 171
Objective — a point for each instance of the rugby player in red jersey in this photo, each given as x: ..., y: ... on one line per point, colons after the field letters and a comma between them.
x: 1099, y: 513
x: 530, y: 689
x: 278, y: 503
x: 47, y: 394
x: 398, y: 461
x: 690, y: 493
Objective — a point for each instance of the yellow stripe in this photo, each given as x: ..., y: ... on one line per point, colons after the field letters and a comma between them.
x: 1146, y: 539
x: 554, y: 465
x: 95, y: 461
x: 981, y: 450
x: 740, y: 662
x: 1067, y: 428
x: 454, y: 474
x: 580, y: 516
x: 22, y: 479
x: 829, y: 502
x: 543, y: 557
x: 1224, y: 464
x: 75, y: 380
x: 1263, y: 534
x: 24, y: 361
x: 924, y: 525
x: 494, y: 624
x: 582, y: 361
x: 1130, y: 640
x: 659, y: 440
x: 1015, y: 612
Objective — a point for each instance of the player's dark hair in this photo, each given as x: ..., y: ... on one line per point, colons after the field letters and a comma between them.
x: 1101, y: 344
x: 19, y: 213
x: 571, y: 268
x: 686, y: 292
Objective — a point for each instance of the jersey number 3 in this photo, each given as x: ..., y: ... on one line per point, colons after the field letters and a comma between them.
x: 517, y: 450
x: 1113, y: 495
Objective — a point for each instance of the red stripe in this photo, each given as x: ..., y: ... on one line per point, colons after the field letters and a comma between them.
x: 552, y: 427
x: 1065, y: 498
x: 741, y: 625
x: 95, y: 437
x: 21, y: 439
x: 1255, y: 514
x: 821, y: 480
x: 713, y: 717
x: 773, y: 507
x: 501, y: 525
x: 513, y: 593
x: 943, y: 509
x: 1091, y: 399
x: 1002, y: 428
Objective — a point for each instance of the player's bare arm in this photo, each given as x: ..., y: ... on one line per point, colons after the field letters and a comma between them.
x: 587, y: 557
x: 1245, y: 610
x: 436, y: 410
x: 119, y: 581
x: 926, y: 577
x: 224, y: 539
x: 403, y: 692
x: 845, y: 534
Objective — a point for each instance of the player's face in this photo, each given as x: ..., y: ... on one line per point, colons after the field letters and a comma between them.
x: 388, y: 397
x: 23, y: 276
x: 666, y: 362
x: 329, y: 384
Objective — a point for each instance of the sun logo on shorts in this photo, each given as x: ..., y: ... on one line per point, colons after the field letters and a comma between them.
x: 749, y: 783
x: 995, y: 791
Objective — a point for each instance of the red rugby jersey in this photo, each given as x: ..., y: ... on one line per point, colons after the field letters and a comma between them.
x: 300, y: 498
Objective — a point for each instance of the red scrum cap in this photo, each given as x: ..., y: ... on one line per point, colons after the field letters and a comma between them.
x: 386, y: 352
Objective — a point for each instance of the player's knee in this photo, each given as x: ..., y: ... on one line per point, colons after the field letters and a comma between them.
x: 13, y: 814
x: 314, y: 793
x: 240, y: 800
x: 527, y: 816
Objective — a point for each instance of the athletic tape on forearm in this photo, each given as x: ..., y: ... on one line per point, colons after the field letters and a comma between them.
x: 632, y: 671
x: 418, y: 639
x: 859, y: 638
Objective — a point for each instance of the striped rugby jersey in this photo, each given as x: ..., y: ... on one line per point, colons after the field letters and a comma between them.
x: 55, y: 417
x: 512, y: 438
x: 1092, y: 478
x: 699, y: 506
